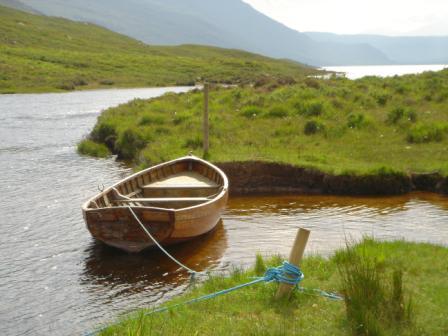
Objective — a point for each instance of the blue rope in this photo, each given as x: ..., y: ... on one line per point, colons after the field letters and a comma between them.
x: 286, y: 273
x: 320, y: 292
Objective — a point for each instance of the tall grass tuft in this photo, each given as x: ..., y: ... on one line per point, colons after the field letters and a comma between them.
x: 398, y: 113
x: 429, y: 132
x: 251, y: 112
x: 105, y: 133
x: 277, y: 112
x: 313, y: 127
x: 311, y: 108
x: 260, y: 266
x: 356, y: 120
x: 89, y: 147
x: 374, y: 299
x: 129, y: 143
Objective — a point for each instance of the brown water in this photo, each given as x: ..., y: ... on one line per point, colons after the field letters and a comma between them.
x: 56, y: 280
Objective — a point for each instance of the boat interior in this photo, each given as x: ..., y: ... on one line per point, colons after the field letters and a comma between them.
x: 176, y: 185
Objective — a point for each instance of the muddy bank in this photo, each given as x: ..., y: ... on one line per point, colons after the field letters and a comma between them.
x: 249, y: 178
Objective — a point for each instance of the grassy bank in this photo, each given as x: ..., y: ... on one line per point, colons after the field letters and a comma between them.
x: 41, y: 54
x: 414, y: 304
x: 339, y: 126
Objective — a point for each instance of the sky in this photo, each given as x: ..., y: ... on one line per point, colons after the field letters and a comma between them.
x: 386, y: 17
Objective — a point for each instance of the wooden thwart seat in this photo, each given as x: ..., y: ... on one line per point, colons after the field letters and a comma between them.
x: 167, y: 199
x: 183, y: 185
x: 183, y: 180
x: 157, y: 187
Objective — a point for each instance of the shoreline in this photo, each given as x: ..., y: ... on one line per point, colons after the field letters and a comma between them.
x: 257, y: 177
x: 421, y: 266
x: 94, y: 89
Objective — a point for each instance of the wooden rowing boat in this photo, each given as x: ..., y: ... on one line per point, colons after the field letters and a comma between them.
x: 175, y: 201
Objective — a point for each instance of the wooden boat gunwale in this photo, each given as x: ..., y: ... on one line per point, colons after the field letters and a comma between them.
x: 107, y: 214
x: 224, y: 188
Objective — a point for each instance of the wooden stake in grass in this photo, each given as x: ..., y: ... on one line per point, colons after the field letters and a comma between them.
x: 295, y: 257
x: 205, y: 121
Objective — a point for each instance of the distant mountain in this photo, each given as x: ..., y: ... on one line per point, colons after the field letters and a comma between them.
x: 16, y: 4
x: 235, y: 24
x: 224, y: 23
x: 402, y: 49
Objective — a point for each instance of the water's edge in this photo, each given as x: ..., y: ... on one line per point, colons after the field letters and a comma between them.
x: 257, y: 177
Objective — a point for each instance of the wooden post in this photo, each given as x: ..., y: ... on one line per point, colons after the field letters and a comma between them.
x: 205, y: 121
x: 295, y: 258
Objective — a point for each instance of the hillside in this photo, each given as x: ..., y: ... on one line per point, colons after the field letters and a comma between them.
x: 16, y: 4
x: 338, y: 125
x: 41, y: 53
x: 228, y: 24
x: 399, y: 49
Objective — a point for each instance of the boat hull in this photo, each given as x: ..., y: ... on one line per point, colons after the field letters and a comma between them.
x: 116, y: 226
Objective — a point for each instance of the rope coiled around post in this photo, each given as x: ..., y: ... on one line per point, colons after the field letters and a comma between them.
x: 286, y: 273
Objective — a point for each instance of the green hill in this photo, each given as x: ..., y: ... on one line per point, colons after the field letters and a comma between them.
x: 226, y: 24
x: 39, y: 53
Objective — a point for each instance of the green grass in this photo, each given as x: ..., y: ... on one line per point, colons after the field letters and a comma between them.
x: 41, y: 54
x: 253, y: 310
x: 338, y: 126
x: 374, y: 297
x: 94, y: 149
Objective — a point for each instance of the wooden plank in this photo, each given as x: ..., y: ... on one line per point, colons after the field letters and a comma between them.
x: 106, y: 200
x: 187, y: 179
x: 153, y: 176
x: 125, y: 186
x: 166, y: 199
x: 171, y: 169
x: 159, y: 175
x: 134, y: 185
x: 174, y: 186
x: 140, y: 181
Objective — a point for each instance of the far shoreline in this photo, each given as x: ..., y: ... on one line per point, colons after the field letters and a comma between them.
x: 96, y: 89
x: 354, y: 72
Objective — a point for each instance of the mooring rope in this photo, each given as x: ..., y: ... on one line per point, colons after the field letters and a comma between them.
x: 320, y: 292
x: 191, y: 271
x: 286, y: 273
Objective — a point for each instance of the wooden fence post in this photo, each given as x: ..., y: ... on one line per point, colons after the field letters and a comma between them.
x: 205, y: 121
x: 295, y: 258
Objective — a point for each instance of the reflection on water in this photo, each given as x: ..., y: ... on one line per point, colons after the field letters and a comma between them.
x: 152, y: 270
x: 268, y: 224
x: 119, y: 282
x: 56, y: 280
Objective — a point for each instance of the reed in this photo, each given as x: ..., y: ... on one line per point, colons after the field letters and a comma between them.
x: 374, y: 298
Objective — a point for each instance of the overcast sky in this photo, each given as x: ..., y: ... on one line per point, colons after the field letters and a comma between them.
x: 388, y: 17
